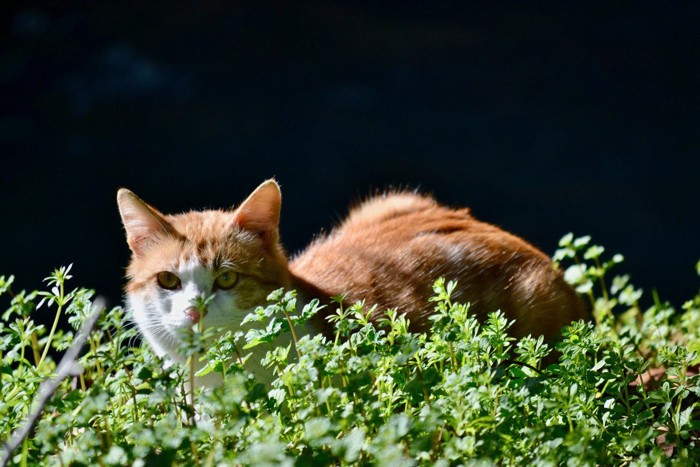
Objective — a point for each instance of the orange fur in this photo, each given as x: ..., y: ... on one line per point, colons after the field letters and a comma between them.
x: 391, y: 249
x: 387, y: 252
x: 213, y: 239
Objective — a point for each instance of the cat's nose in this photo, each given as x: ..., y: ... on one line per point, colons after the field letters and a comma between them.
x: 193, y: 314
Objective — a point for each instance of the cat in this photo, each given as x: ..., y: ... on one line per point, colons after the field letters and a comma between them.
x: 387, y: 252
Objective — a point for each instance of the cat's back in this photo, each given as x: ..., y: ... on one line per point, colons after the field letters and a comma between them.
x: 390, y: 249
x: 382, y: 208
x: 409, y: 225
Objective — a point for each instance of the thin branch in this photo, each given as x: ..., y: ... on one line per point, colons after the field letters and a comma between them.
x: 67, y: 367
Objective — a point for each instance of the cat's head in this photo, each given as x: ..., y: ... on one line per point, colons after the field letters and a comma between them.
x: 233, y: 256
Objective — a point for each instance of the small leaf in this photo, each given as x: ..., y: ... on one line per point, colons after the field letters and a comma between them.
x: 573, y: 389
x: 575, y: 274
x: 598, y: 365
x: 566, y: 240
x: 5, y: 283
x: 316, y: 427
x: 594, y: 252
x: 619, y: 283
x: 581, y: 242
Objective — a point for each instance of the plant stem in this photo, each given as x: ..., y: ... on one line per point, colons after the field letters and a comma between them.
x: 294, y: 334
x: 59, y: 303
x: 35, y: 349
x: 422, y: 383
x: 191, y: 389
x: 604, y: 289
x: 25, y: 452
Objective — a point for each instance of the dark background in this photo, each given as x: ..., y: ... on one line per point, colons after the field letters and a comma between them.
x: 543, y: 119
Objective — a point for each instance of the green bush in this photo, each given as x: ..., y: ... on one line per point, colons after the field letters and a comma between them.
x: 624, y: 391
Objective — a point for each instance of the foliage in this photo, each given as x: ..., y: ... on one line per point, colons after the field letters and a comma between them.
x: 624, y: 390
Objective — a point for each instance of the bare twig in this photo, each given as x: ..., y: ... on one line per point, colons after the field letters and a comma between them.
x: 67, y: 367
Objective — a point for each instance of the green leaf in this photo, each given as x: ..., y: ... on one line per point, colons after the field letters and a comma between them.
x: 5, y: 283
x: 593, y: 252
x: 566, y: 240
x: 581, y: 242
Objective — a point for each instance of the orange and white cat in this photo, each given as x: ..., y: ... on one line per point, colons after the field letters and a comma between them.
x: 387, y: 252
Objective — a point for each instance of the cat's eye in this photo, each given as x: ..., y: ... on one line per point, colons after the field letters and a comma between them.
x: 226, y: 280
x: 168, y: 280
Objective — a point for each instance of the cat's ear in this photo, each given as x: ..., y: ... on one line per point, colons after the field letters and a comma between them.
x: 260, y: 213
x: 142, y: 222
